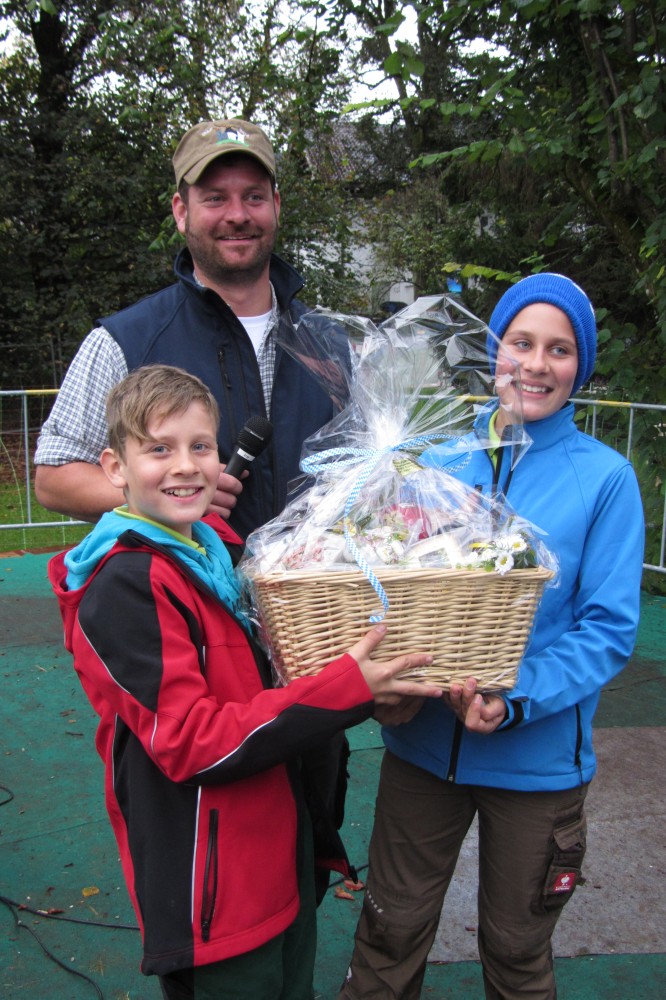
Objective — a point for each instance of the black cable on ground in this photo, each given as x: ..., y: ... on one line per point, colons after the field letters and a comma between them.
x: 339, y: 881
x: 10, y: 793
x: 13, y: 907
x: 63, y: 918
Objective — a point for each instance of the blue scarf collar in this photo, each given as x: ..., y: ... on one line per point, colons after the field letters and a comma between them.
x: 205, y: 555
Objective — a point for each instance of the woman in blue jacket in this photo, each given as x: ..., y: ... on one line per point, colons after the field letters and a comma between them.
x: 522, y: 760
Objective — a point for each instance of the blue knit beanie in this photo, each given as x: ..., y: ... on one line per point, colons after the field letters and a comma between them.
x: 558, y: 291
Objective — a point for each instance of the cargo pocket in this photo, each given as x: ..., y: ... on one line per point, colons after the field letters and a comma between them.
x: 565, y: 869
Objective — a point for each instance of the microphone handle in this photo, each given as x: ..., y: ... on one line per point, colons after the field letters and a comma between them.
x: 239, y: 461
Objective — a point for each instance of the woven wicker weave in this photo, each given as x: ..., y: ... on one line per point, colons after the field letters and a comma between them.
x: 474, y: 623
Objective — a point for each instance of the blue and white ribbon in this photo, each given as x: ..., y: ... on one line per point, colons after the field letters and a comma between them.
x: 372, y: 457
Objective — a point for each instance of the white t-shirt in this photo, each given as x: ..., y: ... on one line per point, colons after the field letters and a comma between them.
x: 256, y: 327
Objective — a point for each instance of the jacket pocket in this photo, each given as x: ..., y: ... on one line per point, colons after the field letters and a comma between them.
x: 565, y: 868
x: 209, y: 893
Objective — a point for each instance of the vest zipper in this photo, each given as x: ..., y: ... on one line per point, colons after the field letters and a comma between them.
x: 262, y: 498
x: 226, y: 385
x: 223, y: 369
x: 209, y: 894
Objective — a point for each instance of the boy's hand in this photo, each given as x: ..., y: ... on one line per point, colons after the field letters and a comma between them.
x: 224, y: 499
x: 480, y: 713
x: 381, y: 678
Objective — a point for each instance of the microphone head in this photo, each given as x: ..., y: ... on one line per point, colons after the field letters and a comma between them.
x: 255, y: 435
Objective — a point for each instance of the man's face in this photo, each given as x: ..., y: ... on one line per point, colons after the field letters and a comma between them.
x: 230, y: 220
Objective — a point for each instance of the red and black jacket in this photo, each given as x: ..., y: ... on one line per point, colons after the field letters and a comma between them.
x: 203, y: 757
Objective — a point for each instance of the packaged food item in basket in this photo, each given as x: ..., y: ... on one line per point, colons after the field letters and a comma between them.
x: 378, y: 535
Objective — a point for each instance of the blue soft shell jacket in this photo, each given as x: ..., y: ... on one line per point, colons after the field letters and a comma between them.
x: 193, y: 328
x: 586, y: 497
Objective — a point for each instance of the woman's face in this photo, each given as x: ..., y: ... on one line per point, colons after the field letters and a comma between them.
x: 540, y: 337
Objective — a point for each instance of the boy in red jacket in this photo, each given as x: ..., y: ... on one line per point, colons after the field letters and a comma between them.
x: 203, y: 756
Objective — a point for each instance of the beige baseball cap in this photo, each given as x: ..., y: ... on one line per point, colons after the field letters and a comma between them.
x: 207, y: 141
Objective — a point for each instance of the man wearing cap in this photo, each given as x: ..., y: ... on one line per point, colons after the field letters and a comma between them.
x: 218, y: 321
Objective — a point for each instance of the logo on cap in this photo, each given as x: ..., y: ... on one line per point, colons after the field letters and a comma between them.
x: 235, y: 135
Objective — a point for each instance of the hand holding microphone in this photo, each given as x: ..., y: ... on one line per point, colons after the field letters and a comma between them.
x: 253, y: 438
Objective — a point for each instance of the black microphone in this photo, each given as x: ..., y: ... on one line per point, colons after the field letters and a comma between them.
x: 252, y: 440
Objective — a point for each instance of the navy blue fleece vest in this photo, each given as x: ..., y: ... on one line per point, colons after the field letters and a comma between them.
x: 193, y: 328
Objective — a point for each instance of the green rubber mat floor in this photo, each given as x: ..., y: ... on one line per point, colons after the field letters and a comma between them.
x: 57, y: 853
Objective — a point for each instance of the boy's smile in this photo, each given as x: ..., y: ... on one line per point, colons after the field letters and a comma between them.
x: 171, y: 478
x: 540, y: 337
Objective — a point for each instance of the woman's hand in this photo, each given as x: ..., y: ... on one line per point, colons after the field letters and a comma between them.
x: 480, y: 713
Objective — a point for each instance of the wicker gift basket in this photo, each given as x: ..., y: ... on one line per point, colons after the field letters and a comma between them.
x: 475, y: 623
x: 458, y: 574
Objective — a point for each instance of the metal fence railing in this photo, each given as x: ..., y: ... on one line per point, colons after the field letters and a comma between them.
x: 622, y: 425
x: 18, y: 432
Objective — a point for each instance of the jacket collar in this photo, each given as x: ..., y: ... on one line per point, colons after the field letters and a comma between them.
x: 543, y: 433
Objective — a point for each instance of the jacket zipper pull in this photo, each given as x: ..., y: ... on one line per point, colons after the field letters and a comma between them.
x: 223, y: 370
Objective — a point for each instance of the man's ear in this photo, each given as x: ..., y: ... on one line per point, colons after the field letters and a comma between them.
x: 112, y: 466
x: 179, y: 209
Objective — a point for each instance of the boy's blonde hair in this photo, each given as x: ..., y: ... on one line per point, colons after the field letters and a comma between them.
x: 154, y: 390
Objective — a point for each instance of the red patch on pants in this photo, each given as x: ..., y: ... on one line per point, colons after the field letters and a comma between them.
x: 564, y: 882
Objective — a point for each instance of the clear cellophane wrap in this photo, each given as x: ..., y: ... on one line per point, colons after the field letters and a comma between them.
x: 373, y: 504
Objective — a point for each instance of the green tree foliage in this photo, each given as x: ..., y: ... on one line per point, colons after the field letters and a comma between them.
x: 548, y: 120
x: 79, y: 187
x: 544, y: 145
x: 94, y: 95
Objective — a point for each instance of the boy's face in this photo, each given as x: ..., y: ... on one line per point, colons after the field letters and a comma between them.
x: 540, y: 337
x: 170, y: 478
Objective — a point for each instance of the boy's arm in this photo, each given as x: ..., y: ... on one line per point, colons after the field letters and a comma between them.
x: 141, y: 655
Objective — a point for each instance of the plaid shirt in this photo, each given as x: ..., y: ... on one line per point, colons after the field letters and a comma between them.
x: 75, y: 430
x: 266, y: 352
